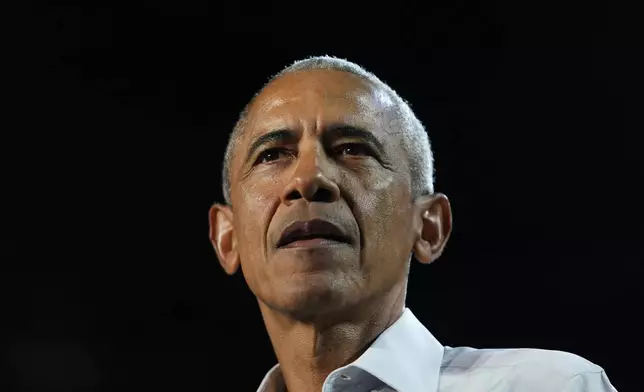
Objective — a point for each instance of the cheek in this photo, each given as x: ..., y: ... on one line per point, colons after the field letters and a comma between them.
x: 381, y: 195
x: 386, y: 211
x: 259, y: 188
x: 253, y: 214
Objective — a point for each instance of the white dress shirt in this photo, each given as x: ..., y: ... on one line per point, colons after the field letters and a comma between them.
x: 407, y: 358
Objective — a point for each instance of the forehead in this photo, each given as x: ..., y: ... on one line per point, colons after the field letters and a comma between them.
x: 321, y: 95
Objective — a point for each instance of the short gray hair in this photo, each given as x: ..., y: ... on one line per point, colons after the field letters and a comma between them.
x: 414, y: 137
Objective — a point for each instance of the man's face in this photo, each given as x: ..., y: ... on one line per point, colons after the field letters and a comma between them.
x: 319, y: 145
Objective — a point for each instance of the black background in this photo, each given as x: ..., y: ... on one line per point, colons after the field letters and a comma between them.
x: 533, y: 112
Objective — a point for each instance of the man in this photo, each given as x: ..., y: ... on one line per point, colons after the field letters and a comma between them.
x: 328, y: 179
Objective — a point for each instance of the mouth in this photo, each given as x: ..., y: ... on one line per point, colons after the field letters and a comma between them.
x: 311, y: 233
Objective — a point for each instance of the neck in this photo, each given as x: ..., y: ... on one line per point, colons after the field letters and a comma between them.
x: 309, y: 351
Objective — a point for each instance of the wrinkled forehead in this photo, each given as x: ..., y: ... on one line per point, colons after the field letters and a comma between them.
x: 324, y: 95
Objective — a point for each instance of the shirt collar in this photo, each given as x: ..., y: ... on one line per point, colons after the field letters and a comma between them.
x: 405, y: 356
x: 273, y: 381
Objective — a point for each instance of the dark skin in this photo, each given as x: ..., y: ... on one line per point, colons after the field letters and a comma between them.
x: 333, y: 153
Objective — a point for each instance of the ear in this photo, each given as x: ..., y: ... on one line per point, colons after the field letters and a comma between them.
x: 222, y: 237
x: 433, y: 227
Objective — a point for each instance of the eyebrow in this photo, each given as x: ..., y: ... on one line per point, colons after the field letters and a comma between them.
x: 350, y: 131
x: 333, y: 132
x: 276, y: 137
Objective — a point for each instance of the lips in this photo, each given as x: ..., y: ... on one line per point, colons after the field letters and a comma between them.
x: 313, y: 229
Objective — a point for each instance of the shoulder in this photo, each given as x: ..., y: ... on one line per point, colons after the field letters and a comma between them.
x: 551, y: 361
x: 519, y: 368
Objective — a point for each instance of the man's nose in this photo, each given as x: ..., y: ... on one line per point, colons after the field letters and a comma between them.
x: 310, y: 182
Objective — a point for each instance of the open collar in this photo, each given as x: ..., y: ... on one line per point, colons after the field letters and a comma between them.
x: 405, y: 356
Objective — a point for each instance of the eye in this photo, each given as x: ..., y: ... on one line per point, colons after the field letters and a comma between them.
x: 354, y: 149
x: 271, y: 154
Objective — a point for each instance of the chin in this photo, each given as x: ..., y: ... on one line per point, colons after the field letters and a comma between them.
x: 311, y: 295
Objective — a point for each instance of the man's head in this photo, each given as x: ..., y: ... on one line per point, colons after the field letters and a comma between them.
x: 415, y: 141
x: 327, y: 150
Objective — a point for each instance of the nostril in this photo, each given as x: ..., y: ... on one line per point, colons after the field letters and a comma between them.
x: 293, y: 195
x: 322, y: 195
